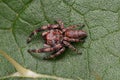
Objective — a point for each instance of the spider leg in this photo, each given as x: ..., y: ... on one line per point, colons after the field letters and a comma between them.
x: 70, y: 46
x: 47, y: 27
x: 61, y: 24
x: 50, y: 26
x: 72, y: 39
x: 73, y: 27
x: 46, y: 45
x: 32, y: 34
x: 44, y: 33
x: 81, y: 25
x: 55, y: 55
x: 47, y: 49
x: 76, y: 26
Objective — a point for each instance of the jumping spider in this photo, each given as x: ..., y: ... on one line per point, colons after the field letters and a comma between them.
x: 57, y: 37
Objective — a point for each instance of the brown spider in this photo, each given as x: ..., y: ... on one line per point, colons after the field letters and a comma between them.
x: 57, y: 38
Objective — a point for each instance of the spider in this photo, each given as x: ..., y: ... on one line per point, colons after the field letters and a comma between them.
x: 57, y: 38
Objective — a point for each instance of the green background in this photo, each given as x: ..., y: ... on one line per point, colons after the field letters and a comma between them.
x: 101, y: 51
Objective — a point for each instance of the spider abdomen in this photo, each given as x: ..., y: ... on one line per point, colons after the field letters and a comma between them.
x: 75, y: 34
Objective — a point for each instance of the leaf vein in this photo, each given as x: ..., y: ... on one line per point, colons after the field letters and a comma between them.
x: 106, y: 35
x: 9, y: 6
x: 44, y: 13
x: 13, y: 28
x: 71, y: 6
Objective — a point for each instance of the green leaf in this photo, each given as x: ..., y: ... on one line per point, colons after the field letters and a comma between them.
x: 26, y: 73
x: 100, y: 59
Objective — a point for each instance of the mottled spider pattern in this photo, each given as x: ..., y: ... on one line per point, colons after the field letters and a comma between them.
x: 57, y: 38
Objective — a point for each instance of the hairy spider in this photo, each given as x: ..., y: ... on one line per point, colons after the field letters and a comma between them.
x: 57, y: 38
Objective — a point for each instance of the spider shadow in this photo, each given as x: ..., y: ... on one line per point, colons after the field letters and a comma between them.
x: 39, y: 57
x: 37, y: 38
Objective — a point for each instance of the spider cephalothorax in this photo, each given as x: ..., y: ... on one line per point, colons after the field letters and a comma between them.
x: 57, y: 37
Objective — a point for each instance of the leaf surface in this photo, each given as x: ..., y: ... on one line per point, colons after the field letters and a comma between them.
x: 100, y: 58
